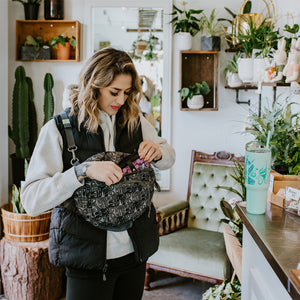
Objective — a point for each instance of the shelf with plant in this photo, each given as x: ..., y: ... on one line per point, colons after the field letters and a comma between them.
x: 193, y: 94
x: 48, y: 29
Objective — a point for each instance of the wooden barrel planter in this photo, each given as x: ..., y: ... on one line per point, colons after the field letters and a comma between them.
x: 23, y: 228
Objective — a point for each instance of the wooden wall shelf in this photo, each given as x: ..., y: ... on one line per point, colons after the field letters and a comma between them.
x: 198, y: 66
x: 48, y: 29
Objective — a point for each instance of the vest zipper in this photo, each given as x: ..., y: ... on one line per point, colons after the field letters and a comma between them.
x: 104, y: 270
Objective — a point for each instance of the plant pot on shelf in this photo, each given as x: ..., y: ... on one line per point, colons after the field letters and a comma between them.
x: 245, y: 69
x: 233, y: 80
x: 22, y: 227
x: 31, y: 11
x: 63, y: 52
x: 183, y: 41
x: 196, y: 102
x: 29, y: 53
x: 140, y: 47
x: 210, y: 43
x: 53, y: 9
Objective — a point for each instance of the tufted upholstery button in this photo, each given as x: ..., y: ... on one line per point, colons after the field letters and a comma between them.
x: 216, y: 209
x: 225, y: 176
x: 193, y: 217
x: 198, y: 173
x: 210, y: 196
x: 204, y: 185
x: 223, y: 198
x: 202, y: 207
x: 207, y: 219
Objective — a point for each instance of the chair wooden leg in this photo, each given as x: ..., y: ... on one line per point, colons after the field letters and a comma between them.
x: 232, y: 277
x: 148, y: 277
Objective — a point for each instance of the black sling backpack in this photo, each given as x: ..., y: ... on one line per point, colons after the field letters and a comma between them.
x: 113, y: 207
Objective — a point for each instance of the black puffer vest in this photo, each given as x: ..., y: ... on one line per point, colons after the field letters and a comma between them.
x: 75, y: 243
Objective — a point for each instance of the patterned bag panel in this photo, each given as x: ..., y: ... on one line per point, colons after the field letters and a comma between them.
x: 115, y: 207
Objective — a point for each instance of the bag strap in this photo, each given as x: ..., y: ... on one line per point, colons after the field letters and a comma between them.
x: 70, y: 138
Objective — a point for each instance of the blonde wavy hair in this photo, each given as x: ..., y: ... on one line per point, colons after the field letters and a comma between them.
x: 99, y: 72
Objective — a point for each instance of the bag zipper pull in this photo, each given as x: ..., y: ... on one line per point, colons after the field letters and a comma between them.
x: 104, y: 270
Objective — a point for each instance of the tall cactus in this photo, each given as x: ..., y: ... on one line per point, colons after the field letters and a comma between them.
x: 24, y: 124
x: 48, y: 99
x: 33, y: 128
x: 19, y: 132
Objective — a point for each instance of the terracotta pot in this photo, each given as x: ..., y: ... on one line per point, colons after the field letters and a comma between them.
x: 63, y: 52
x: 23, y: 228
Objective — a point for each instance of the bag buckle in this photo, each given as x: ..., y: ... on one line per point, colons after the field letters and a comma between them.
x: 74, y: 161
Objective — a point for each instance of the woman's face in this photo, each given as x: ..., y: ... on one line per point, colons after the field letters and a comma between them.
x: 114, y: 96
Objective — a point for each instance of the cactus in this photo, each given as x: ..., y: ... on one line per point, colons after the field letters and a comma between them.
x: 19, y: 132
x: 24, y: 125
x: 48, y: 99
x: 33, y: 130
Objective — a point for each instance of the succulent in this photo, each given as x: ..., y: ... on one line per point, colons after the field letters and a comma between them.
x: 16, y: 201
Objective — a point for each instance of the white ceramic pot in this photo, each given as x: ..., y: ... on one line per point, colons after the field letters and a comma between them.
x: 196, y: 102
x: 245, y: 69
x: 259, y: 69
x: 183, y: 41
x: 233, y: 79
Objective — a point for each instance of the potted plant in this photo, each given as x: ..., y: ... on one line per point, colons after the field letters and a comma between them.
x: 140, y: 46
x: 194, y: 94
x: 284, y: 129
x: 231, y: 71
x: 262, y: 39
x: 31, y: 8
x: 24, y: 125
x: 225, y: 290
x: 35, y: 48
x: 18, y: 226
x: 63, y: 45
x: 211, y: 40
x: 186, y: 23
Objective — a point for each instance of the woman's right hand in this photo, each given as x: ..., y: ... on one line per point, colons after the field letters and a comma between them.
x: 105, y: 171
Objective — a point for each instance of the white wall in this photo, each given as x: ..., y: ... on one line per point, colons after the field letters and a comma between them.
x: 4, y: 104
x: 204, y: 131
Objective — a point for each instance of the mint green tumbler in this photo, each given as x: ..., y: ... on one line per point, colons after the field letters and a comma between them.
x: 257, y: 177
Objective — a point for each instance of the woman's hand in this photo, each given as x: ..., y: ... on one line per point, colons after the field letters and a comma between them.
x: 149, y: 151
x: 105, y: 171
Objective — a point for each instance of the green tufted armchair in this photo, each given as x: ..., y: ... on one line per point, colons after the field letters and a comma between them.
x: 191, y: 239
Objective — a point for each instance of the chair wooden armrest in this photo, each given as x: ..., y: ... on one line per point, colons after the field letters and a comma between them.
x: 172, y: 217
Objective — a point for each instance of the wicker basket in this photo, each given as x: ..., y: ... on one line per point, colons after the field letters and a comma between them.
x: 23, y: 228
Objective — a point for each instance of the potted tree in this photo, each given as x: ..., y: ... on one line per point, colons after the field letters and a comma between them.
x: 211, y: 40
x: 194, y: 94
x: 63, y: 46
x: 35, y: 48
x: 31, y: 8
x: 186, y: 23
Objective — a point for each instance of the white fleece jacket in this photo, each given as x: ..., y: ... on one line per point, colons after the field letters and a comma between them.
x: 47, y: 186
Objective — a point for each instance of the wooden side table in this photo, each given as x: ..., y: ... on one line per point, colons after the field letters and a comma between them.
x: 27, y: 273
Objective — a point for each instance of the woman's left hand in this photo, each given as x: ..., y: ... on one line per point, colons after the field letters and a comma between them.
x: 149, y: 151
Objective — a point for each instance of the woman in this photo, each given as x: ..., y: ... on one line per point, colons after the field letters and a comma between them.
x: 99, y: 264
